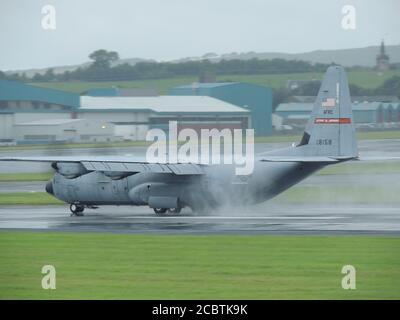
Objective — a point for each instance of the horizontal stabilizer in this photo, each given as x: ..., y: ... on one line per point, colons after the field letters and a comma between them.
x: 377, y: 158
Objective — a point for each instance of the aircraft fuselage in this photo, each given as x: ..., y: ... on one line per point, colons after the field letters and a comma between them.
x: 218, y: 186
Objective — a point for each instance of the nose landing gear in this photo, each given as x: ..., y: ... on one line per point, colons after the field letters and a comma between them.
x: 76, y: 210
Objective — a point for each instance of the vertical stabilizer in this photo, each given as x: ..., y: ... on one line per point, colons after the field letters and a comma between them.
x: 330, y: 130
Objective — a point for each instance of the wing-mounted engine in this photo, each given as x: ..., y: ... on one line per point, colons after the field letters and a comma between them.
x: 69, y: 170
x: 156, y: 195
x: 117, y: 175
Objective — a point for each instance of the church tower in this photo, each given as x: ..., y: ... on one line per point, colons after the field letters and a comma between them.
x: 382, y: 59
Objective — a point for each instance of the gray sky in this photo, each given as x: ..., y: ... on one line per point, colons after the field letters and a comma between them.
x: 172, y: 29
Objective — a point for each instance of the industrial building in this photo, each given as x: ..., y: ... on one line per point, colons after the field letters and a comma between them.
x: 366, y: 114
x: 31, y: 114
x: 257, y: 99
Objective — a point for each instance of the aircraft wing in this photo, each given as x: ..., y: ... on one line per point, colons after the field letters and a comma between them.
x: 118, y: 164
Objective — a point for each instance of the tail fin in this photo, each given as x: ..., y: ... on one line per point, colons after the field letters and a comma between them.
x: 330, y: 130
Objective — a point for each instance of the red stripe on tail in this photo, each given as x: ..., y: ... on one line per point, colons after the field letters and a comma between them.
x: 332, y: 120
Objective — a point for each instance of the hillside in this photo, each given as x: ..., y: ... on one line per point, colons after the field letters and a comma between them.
x: 365, y: 79
x: 346, y: 57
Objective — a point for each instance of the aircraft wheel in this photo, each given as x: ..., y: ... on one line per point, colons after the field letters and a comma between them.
x: 160, y: 211
x: 76, y: 210
x: 175, y: 210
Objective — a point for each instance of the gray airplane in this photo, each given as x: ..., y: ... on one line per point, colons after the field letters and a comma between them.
x: 329, y: 138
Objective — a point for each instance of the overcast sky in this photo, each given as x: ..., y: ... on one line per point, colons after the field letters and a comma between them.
x: 172, y: 29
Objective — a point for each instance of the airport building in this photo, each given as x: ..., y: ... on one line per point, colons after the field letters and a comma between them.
x: 257, y: 99
x: 32, y: 114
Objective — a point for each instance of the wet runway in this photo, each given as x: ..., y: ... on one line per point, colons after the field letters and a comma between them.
x: 268, y: 218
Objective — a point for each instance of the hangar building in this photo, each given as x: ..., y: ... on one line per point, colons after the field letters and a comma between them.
x: 21, y: 103
x: 62, y: 130
x: 133, y: 116
x: 257, y: 99
x: 31, y: 114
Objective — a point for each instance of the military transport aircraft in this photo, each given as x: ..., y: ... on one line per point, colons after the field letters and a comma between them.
x: 329, y: 138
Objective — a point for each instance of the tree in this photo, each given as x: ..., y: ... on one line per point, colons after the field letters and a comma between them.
x: 48, y: 75
x: 102, y: 58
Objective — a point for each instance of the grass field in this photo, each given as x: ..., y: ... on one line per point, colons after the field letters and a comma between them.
x: 133, y: 266
x: 27, y: 198
x: 365, y: 79
x: 25, y: 176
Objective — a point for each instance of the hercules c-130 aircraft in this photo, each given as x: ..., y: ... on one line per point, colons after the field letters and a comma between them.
x: 329, y: 138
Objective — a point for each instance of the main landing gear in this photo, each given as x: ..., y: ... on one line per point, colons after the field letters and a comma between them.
x: 76, y: 210
x: 163, y: 211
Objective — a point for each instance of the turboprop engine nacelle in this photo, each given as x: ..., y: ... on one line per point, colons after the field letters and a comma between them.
x: 70, y: 170
x: 156, y: 195
x: 116, y: 175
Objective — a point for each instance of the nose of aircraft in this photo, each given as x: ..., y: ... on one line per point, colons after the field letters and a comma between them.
x: 49, y: 187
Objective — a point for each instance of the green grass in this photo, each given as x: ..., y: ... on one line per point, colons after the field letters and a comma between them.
x: 161, y: 85
x: 27, y: 198
x: 134, y: 266
x: 25, y: 176
x: 365, y: 79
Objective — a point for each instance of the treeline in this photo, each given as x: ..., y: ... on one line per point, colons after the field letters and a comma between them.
x: 101, y: 69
